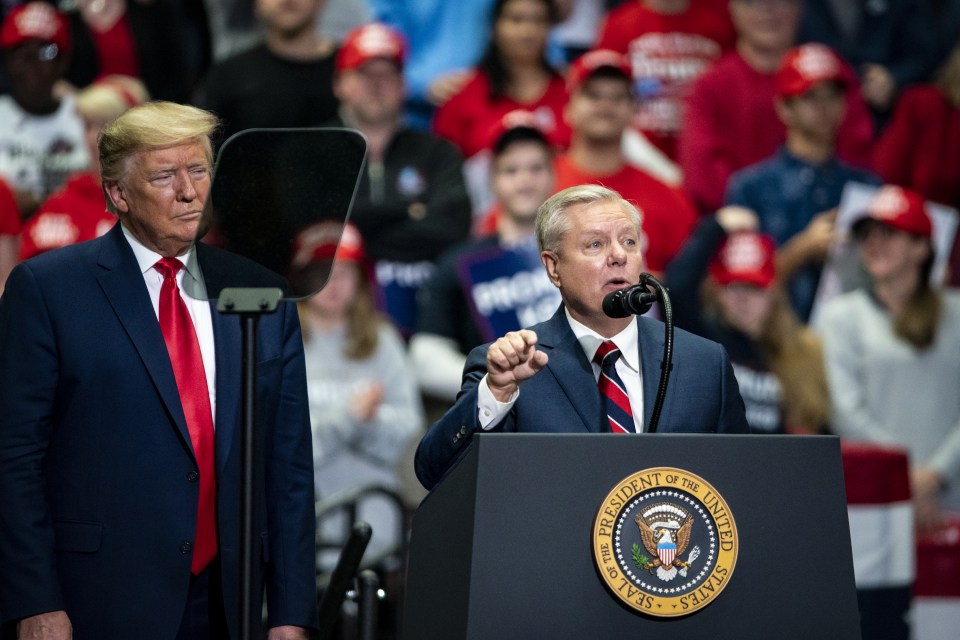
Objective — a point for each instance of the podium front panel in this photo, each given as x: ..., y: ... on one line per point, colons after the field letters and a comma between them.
x: 502, y: 548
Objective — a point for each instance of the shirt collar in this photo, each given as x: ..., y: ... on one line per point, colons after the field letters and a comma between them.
x: 627, y: 341
x: 146, y: 258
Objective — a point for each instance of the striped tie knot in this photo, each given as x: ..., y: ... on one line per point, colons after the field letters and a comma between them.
x: 606, y: 348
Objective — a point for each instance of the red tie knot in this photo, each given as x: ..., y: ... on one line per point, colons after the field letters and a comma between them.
x: 168, y: 267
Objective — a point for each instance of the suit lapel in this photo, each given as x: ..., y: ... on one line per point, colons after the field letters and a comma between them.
x: 122, y: 284
x: 227, y: 341
x: 570, y: 368
x: 226, y: 337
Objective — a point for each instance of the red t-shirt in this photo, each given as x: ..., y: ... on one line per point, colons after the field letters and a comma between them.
x: 668, y: 216
x: 731, y: 123
x: 920, y: 148
x: 73, y: 214
x: 9, y: 212
x: 468, y: 118
x: 667, y: 53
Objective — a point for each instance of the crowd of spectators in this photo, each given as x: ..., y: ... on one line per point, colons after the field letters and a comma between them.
x: 734, y: 126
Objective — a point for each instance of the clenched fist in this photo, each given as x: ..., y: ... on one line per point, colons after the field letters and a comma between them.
x: 511, y: 360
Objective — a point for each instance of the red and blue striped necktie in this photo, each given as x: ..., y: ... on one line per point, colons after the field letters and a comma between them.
x: 612, y: 391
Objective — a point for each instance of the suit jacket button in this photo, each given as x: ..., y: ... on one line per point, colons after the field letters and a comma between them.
x: 193, y: 476
x: 186, y: 547
x: 463, y: 431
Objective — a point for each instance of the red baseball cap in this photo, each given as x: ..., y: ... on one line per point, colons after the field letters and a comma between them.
x: 898, y: 208
x: 34, y: 21
x: 324, y: 241
x: 583, y: 68
x: 541, y: 121
x: 745, y: 256
x: 369, y: 42
x: 807, y: 66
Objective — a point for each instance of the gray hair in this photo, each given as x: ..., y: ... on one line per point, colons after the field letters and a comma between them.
x: 552, y: 221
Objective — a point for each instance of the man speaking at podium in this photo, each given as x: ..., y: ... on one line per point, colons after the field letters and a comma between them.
x: 120, y: 404
x: 582, y: 371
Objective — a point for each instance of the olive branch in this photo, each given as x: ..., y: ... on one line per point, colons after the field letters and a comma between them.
x: 639, y: 559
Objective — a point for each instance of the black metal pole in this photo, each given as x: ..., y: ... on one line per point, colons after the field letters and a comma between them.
x: 368, y: 586
x: 248, y: 394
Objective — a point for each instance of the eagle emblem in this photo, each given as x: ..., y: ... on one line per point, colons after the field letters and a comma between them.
x: 665, y: 532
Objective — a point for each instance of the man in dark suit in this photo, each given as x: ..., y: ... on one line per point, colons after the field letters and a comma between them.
x: 590, y: 243
x: 119, y: 444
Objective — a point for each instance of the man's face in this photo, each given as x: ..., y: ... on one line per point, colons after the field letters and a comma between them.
x: 522, y: 178
x: 33, y: 68
x: 601, y: 109
x: 599, y: 253
x: 288, y: 17
x: 767, y: 25
x: 160, y: 199
x: 816, y: 115
x: 373, y: 93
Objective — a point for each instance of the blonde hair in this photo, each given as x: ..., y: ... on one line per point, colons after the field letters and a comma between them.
x: 795, y: 355
x: 918, y: 321
x: 362, y: 323
x: 152, y: 125
x: 110, y: 96
x: 552, y: 221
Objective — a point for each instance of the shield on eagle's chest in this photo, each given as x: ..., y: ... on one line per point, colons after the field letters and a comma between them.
x: 666, y: 551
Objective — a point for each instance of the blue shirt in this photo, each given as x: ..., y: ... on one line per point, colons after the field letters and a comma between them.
x: 786, y: 193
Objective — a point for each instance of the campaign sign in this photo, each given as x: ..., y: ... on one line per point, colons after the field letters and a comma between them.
x: 397, y: 287
x: 507, y: 288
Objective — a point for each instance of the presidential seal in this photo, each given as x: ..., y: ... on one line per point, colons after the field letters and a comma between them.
x: 665, y: 542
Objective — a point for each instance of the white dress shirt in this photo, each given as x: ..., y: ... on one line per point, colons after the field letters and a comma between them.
x: 199, y: 307
x: 491, y: 412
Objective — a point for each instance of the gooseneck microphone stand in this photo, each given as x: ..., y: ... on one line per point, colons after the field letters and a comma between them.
x: 637, y: 300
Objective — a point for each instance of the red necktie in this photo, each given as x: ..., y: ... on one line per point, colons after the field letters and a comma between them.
x: 184, y: 348
x: 612, y: 392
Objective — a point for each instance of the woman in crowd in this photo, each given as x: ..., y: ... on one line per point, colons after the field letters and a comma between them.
x: 723, y: 286
x: 892, y: 350
x: 364, y: 405
x: 920, y: 148
x: 512, y: 74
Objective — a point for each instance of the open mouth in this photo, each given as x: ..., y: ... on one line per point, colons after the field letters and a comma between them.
x: 617, y: 283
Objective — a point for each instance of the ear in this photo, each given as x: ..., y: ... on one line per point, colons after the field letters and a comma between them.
x: 115, y: 198
x: 550, y: 261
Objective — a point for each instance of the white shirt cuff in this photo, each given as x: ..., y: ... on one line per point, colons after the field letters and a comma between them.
x: 490, y: 411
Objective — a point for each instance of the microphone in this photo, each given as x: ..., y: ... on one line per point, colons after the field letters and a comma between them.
x: 633, y: 300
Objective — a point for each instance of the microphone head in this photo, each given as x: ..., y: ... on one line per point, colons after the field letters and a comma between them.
x: 614, y: 303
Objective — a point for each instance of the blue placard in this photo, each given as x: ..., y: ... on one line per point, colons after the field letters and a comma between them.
x: 507, y: 288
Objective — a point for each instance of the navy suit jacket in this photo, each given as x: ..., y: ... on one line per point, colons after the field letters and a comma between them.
x: 703, y: 395
x: 97, y: 496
